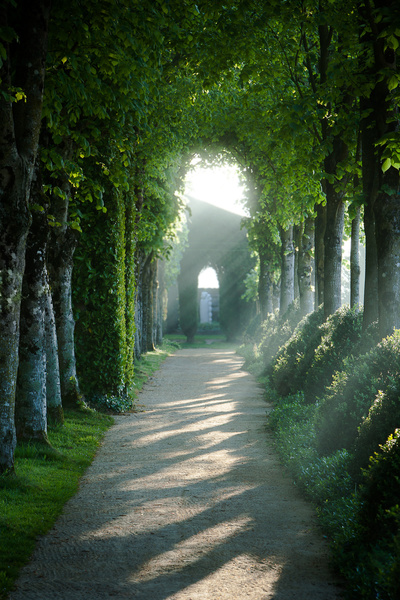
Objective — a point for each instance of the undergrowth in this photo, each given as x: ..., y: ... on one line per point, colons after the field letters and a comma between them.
x: 336, y: 422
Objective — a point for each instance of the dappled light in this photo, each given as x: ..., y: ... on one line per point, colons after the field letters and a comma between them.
x: 190, y: 176
x: 191, y: 505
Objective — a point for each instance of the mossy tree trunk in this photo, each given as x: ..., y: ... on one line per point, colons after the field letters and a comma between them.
x: 31, y: 399
x: 55, y: 415
x: 335, y: 209
x: 63, y: 243
x: 320, y: 226
x: 305, y: 266
x: 265, y: 283
x: 355, y: 269
x: 287, y: 269
x: 370, y: 181
x: 130, y: 288
x: 23, y: 67
x: 383, y: 179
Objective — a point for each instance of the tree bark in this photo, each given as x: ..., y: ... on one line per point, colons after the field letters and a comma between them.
x: 130, y: 291
x: 387, y: 215
x: 370, y: 181
x: 370, y: 314
x: 355, y: 260
x: 31, y: 405
x: 62, y: 247
x: 381, y: 189
x: 139, y: 305
x: 55, y: 414
x: 297, y: 235
x: 148, y: 282
x: 334, y: 231
x: 320, y: 226
x: 265, y: 283
x: 287, y: 269
x: 20, y: 123
x: 306, y: 243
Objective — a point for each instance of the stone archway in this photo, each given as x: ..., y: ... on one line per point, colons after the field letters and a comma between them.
x: 215, y: 239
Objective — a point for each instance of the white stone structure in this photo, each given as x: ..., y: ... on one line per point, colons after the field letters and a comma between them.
x: 205, y: 308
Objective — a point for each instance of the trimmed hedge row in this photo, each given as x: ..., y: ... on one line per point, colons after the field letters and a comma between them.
x: 336, y: 418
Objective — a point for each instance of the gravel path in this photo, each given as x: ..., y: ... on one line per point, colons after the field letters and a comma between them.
x: 185, y: 501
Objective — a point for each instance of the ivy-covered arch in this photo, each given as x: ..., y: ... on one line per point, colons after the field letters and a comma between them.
x: 215, y: 239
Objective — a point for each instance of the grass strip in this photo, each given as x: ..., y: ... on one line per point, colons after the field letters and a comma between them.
x: 46, y: 477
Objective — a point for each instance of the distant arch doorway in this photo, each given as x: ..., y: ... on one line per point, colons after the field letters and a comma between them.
x: 215, y: 239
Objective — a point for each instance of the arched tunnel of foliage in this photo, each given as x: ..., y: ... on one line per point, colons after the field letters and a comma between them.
x: 103, y: 107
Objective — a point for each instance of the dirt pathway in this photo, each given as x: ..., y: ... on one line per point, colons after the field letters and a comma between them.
x: 185, y: 501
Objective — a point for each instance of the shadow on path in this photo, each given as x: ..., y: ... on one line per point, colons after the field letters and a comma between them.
x: 185, y: 501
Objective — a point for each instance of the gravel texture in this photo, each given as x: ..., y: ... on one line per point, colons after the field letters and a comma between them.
x: 185, y: 500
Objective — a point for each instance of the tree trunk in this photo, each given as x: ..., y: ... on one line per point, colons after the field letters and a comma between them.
x: 320, y: 226
x: 31, y: 405
x: 381, y: 189
x: 306, y: 243
x: 370, y: 314
x: 387, y: 215
x: 334, y: 230
x: 370, y: 180
x: 130, y: 291
x: 148, y: 303
x: 287, y: 270
x: 265, y: 283
x: 297, y: 234
x: 55, y: 415
x: 139, y: 306
x: 14, y: 228
x: 161, y: 302
x: 20, y: 122
x: 62, y: 248
x: 355, y: 261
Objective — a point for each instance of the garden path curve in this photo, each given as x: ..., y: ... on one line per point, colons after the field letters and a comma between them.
x: 185, y: 500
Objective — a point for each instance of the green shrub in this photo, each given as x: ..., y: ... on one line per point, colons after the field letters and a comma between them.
x: 295, y: 356
x: 349, y: 398
x: 380, y: 492
x: 370, y: 559
x: 103, y: 303
x: 383, y: 418
x: 327, y: 477
x: 341, y: 332
x: 276, y: 330
x: 292, y: 420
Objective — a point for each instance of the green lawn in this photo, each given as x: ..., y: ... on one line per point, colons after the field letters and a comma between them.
x: 46, y: 477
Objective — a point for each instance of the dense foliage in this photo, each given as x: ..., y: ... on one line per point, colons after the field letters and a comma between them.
x: 341, y: 439
x: 103, y: 106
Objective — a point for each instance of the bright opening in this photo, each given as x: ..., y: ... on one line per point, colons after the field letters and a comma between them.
x: 219, y: 186
x: 208, y: 279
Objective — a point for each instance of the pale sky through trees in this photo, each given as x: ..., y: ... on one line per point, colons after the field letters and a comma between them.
x: 218, y: 185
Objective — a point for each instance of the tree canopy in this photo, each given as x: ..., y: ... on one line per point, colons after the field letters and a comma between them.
x: 104, y: 104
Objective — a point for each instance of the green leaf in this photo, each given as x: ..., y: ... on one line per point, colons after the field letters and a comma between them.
x: 387, y: 163
x: 393, y: 82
